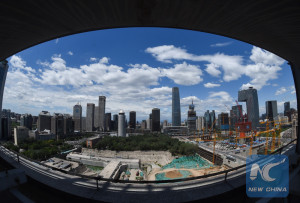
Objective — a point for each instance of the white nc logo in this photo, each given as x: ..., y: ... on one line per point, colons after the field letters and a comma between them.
x: 264, y: 172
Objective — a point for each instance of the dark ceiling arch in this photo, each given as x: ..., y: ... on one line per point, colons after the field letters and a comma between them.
x: 272, y: 25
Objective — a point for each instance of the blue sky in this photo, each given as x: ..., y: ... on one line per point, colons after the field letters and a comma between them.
x: 136, y: 68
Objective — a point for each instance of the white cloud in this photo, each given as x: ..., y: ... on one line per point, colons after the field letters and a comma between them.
x: 211, y: 85
x: 259, y: 55
x: 265, y: 65
x: 70, y: 53
x: 93, y: 59
x: 17, y: 62
x: 221, y: 44
x: 184, y: 74
x: 292, y: 89
x: 213, y: 70
x: 104, y: 60
x: 281, y: 90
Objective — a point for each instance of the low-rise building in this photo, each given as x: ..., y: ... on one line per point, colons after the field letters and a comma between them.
x: 91, y: 142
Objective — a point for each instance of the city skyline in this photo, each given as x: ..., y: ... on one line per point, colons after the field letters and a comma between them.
x: 142, y: 77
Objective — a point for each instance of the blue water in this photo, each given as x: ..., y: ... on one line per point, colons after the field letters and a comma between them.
x: 189, y: 162
x: 162, y: 176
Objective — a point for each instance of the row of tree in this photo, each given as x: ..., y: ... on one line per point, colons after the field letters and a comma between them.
x: 147, y: 142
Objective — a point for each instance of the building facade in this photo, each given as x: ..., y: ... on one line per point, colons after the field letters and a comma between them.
x: 223, y: 121
x: 250, y: 97
x: 90, y: 114
x: 26, y: 120
x: 57, y: 124
x: 132, y: 119
x: 20, y: 133
x: 102, y: 100
x: 191, y: 119
x: 96, y: 118
x: 155, y: 120
x: 44, y: 121
x: 121, y: 124
x: 271, y: 110
x: 77, y: 117
x: 200, y: 123
x: 176, y: 112
x: 108, y: 123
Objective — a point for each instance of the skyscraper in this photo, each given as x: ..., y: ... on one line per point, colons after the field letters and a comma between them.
x: 101, y: 106
x: 26, y: 121
x: 287, y: 110
x: 155, y: 120
x: 212, y: 119
x: 115, y: 119
x: 223, y: 121
x: 191, y: 120
x: 68, y: 124
x: 57, y: 124
x: 250, y: 97
x: 271, y: 110
x: 132, y: 119
x: 77, y: 117
x: 176, y: 113
x: 44, y: 121
x: 3, y: 73
x: 90, y: 110
x: 121, y: 124
x: 108, y: 121
x: 96, y: 118
x: 207, y: 120
x: 235, y: 115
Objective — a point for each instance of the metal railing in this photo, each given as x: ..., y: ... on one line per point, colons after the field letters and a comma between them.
x: 279, y: 150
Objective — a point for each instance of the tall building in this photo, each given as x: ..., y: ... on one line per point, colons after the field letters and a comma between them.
x: 20, y: 133
x: 223, y: 121
x: 44, y: 121
x: 108, y: 126
x: 26, y: 120
x: 83, y: 124
x: 176, y: 112
x: 155, y: 120
x: 287, y: 110
x: 96, y: 118
x: 207, y: 120
x: 212, y: 115
x: 191, y: 120
x: 57, y: 124
x: 235, y: 115
x: 90, y: 111
x: 68, y: 124
x: 101, y: 106
x: 132, y: 119
x: 149, y: 122
x: 3, y: 73
x: 200, y: 123
x: 121, y: 124
x: 115, y: 122
x: 77, y: 117
x: 250, y: 97
x: 271, y: 110
x: 143, y: 124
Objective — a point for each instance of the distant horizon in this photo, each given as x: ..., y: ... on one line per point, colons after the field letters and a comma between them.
x: 136, y: 68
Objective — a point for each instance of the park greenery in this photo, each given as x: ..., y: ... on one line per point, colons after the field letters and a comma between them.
x: 78, y: 136
x: 40, y: 150
x: 147, y: 142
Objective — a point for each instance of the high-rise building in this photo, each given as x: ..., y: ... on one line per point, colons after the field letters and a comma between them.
x: 90, y: 111
x: 223, y: 121
x: 77, y: 117
x: 191, y: 120
x: 149, y: 122
x: 57, y: 124
x: 3, y: 73
x: 108, y: 126
x: 101, y: 106
x: 132, y: 119
x: 121, y: 124
x: 250, y: 97
x: 96, y: 118
x: 26, y: 120
x: 44, y: 121
x: 115, y: 121
x: 143, y: 124
x: 287, y: 110
x: 212, y: 119
x: 83, y: 124
x: 235, y: 115
x: 271, y: 110
x: 200, y: 123
x: 176, y: 112
x: 155, y: 120
x: 20, y: 133
x: 207, y: 120
x: 68, y: 124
